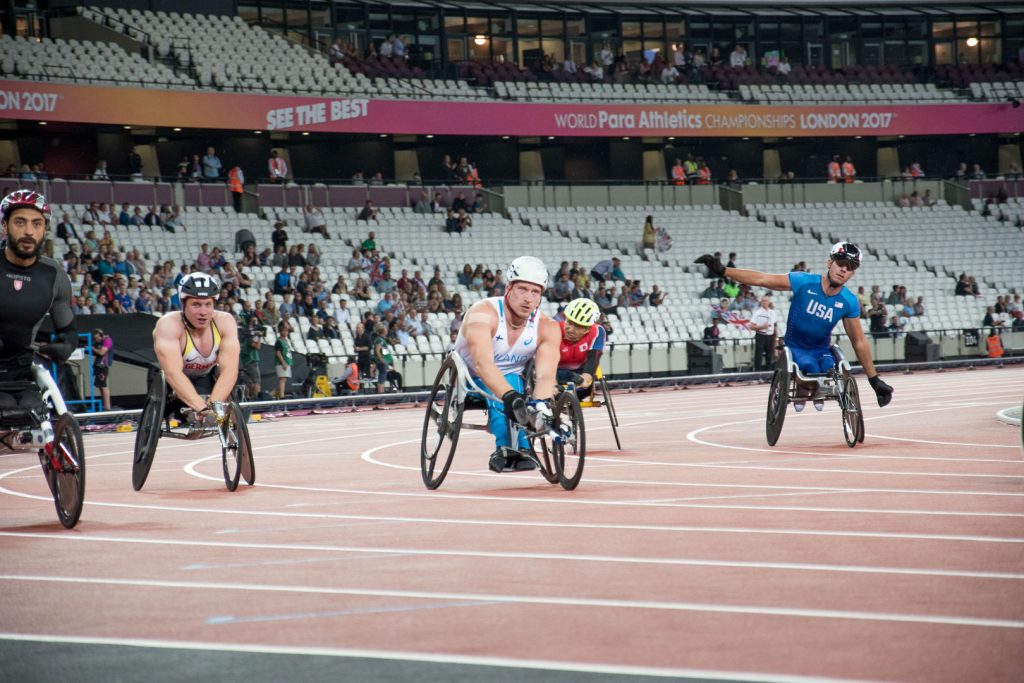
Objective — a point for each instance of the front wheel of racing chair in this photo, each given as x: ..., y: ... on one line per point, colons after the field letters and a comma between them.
x: 236, y: 449
x: 68, y: 481
x: 442, y: 423
x: 778, y: 399
x: 148, y: 434
x: 563, y: 449
x: 849, y: 402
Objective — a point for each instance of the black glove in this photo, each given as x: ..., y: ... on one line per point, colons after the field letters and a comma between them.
x: 713, y: 265
x: 882, y: 390
x: 515, y: 406
x: 59, y: 352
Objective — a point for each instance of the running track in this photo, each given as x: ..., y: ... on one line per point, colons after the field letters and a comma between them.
x: 697, y: 553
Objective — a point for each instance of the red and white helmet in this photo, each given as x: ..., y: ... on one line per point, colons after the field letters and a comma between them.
x: 527, y: 269
x: 846, y: 250
x: 24, y: 199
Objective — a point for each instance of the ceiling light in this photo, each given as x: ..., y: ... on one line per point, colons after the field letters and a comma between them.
x: 972, y: 42
x: 480, y: 40
x: 305, y: 132
x: 177, y: 130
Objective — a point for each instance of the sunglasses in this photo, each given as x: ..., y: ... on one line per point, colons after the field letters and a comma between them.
x: 848, y: 263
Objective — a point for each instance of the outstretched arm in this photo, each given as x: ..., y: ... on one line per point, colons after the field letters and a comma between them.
x: 754, y: 278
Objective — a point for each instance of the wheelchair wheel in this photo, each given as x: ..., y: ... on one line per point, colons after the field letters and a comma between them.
x: 568, y: 452
x: 68, y: 481
x: 236, y: 456
x: 442, y: 422
x: 613, y: 417
x: 853, y: 418
x: 149, y: 428
x: 778, y: 398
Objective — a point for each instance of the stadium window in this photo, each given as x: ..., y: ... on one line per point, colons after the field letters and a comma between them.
x: 349, y: 17
x: 250, y: 14
x: 631, y: 30
x: 1015, y: 39
x: 478, y: 26
x: 527, y: 27
x: 456, y: 48
x: 454, y: 23
x: 575, y: 26
x: 654, y: 29
x: 502, y: 50
x: 944, y: 52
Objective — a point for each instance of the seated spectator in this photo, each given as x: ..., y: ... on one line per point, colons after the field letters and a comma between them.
x: 315, y: 221
x: 915, y: 199
x: 657, y: 296
x: 436, y: 205
x: 370, y: 243
x: 963, y: 287
x: 635, y: 295
x: 422, y: 205
x: 608, y: 270
x: 877, y: 318
x: 715, y: 290
x: 1018, y: 321
x: 563, y: 290
x: 919, y: 306
x: 369, y: 213
x: 459, y: 202
x: 903, y: 202
x: 101, y: 171
x: 451, y: 222
x: 712, y: 333
x: 358, y: 178
x: 916, y: 171
x: 479, y: 204
x: 927, y: 199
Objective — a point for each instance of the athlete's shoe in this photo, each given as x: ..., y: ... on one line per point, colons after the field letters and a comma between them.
x: 505, y: 459
x: 798, y: 406
x: 498, y: 461
x: 819, y: 406
x: 523, y: 461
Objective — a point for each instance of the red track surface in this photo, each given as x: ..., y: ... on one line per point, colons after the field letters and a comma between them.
x: 697, y: 550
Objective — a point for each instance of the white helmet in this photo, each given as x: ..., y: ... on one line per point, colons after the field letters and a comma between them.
x: 528, y: 269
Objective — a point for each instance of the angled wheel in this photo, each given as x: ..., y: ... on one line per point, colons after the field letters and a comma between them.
x: 853, y: 418
x: 612, y: 415
x: 69, y: 480
x: 441, y: 426
x: 236, y: 452
x: 778, y: 399
x: 567, y: 452
x: 248, y: 464
x: 149, y: 428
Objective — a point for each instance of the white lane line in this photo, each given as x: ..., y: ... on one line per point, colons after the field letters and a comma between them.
x: 546, y: 600
x: 546, y: 557
x: 433, y: 658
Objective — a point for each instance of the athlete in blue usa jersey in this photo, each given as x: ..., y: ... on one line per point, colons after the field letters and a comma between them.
x: 819, y: 302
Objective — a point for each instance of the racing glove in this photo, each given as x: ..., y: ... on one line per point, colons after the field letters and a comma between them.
x: 713, y: 265
x: 882, y: 390
x: 515, y: 406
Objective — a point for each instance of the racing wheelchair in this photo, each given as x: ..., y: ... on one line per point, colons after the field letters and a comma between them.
x: 836, y: 385
x: 227, y: 421
x: 56, y: 436
x: 558, y: 447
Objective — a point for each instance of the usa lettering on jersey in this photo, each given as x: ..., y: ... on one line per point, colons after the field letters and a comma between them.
x: 819, y: 310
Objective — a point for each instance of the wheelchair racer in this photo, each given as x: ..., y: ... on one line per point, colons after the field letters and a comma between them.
x: 498, y: 337
x: 195, y: 344
x: 582, y: 344
x: 819, y: 302
x: 31, y: 286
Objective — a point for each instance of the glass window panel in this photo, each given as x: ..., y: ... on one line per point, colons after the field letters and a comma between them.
x: 579, y: 52
x: 895, y: 52
x: 871, y: 29
x: 575, y: 26
x: 556, y: 47
x: 944, y: 53
x: 965, y: 52
x: 501, y: 26
x: 502, y: 49
x: 427, y: 23
x: 654, y: 29
x: 321, y: 18
x: 991, y: 50
x: 743, y: 30
x: 942, y: 30
x: 457, y: 49
x: 917, y: 28
x: 790, y: 31
x: 479, y: 48
x: 551, y: 27
x: 249, y: 13
x: 634, y: 49
x: 769, y: 32
x: 527, y: 26
x: 380, y: 21
x: 966, y: 29
x: 814, y: 30
x: 631, y: 29
x: 794, y: 51
x: 454, y: 23
x: 527, y: 44
x: 607, y: 26
x: 917, y: 52
x: 273, y: 17
x: 871, y: 53
x: 477, y: 25
x: 990, y: 28
x: 895, y: 29
x: 349, y: 17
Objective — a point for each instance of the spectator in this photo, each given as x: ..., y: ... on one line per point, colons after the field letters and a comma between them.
x: 382, y: 355
x: 977, y: 173
x: 608, y: 270
x: 835, y: 171
x: 358, y: 178
x: 650, y: 234
x: 669, y: 74
x: 211, y: 166
x: 249, y: 372
x: 67, y: 231
x: 918, y: 306
x: 916, y: 171
x: 712, y: 333
x: 283, y: 358
x: 100, y: 173
x: 370, y: 243
x: 657, y: 296
x: 459, y: 202
x: 236, y: 183
x: 877, y: 318
x: 715, y: 290
x: 422, y: 205
x: 994, y: 319
x: 135, y: 165
x: 738, y: 57
x: 563, y: 290
x: 993, y: 344
x: 784, y: 69
x: 276, y: 166
x: 915, y: 199
x: 1018, y: 321
x: 849, y: 171
x: 451, y: 222
x: 315, y: 221
x: 102, y: 357
x: 927, y: 199
x: 368, y: 213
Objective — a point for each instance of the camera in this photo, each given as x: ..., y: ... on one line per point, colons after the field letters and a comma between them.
x: 316, y: 359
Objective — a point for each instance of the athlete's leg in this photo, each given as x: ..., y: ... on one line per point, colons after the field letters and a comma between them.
x: 497, y: 424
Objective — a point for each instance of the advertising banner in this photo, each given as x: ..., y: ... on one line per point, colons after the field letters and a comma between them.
x: 33, y: 100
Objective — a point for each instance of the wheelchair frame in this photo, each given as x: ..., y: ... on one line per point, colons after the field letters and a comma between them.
x: 63, y: 466
x: 454, y: 387
x: 155, y: 422
x: 838, y: 385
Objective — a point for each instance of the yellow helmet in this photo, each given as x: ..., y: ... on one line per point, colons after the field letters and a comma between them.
x: 582, y: 312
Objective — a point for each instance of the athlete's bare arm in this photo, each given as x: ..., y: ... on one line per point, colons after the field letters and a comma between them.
x: 227, y: 357
x: 479, y: 326
x: 545, y: 362
x: 754, y: 278
x: 167, y: 345
x: 861, y: 347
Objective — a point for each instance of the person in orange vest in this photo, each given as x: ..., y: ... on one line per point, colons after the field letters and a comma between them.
x: 678, y: 173
x: 703, y: 173
x: 236, y: 181
x: 994, y: 344
x: 849, y: 172
x: 834, y: 170
x: 348, y: 383
x: 473, y: 176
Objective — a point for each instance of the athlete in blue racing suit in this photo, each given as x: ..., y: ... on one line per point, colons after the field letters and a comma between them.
x: 819, y: 302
